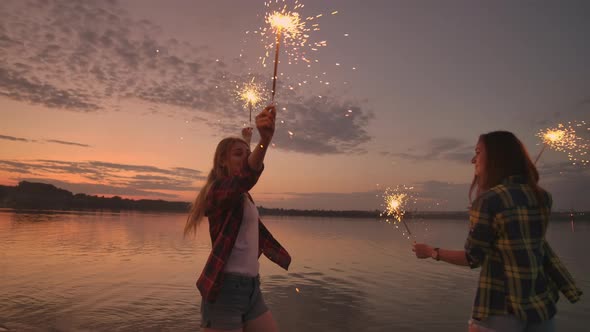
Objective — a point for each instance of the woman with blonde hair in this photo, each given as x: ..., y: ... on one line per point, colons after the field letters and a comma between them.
x: 230, y: 283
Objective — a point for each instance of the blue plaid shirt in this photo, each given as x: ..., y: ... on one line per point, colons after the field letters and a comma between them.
x: 520, y: 273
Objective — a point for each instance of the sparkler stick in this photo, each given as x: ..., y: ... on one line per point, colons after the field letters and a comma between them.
x: 408, y: 229
x: 287, y: 25
x: 540, y: 153
x: 250, y: 94
x: 274, y: 76
x: 288, y: 32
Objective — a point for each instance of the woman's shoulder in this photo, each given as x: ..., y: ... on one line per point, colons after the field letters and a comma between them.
x: 512, y: 193
x: 489, y: 199
x: 493, y: 193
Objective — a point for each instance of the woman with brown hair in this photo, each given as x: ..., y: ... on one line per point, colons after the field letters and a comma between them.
x: 520, y: 274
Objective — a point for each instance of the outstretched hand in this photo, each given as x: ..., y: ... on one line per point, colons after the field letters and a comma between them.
x: 422, y: 250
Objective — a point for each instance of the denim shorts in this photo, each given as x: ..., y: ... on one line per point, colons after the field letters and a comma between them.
x: 238, y: 302
x: 509, y: 323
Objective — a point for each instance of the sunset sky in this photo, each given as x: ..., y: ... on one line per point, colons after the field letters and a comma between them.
x: 130, y: 98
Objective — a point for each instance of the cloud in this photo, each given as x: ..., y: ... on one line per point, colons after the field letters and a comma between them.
x: 570, y: 189
x: 12, y: 138
x: 123, y: 178
x: 439, y: 195
x: 91, y: 56
x: 323, y: 125
x: 321, y: 201
x: 443, y: 148
x: 68, y: 143
x: 568, y: 184
x: 14, y: 167
x: 24, y: 89
x: 429, y: 195
x: 19, y: 139
x: 103, y: 53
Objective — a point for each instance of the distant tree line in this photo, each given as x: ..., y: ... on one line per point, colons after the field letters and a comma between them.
x: 319, y: 213
x: 42, y: 196
x: 31, y: 195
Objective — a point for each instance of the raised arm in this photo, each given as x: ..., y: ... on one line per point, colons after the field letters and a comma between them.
x: 478, y: 244
x: 265, y: 123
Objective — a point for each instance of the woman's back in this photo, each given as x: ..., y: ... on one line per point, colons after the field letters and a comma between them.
x: 514, y: 270
x: 521, y: 216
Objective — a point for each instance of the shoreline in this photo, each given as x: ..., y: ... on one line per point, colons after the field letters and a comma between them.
x: 435, y: 215
x: 33, y: 196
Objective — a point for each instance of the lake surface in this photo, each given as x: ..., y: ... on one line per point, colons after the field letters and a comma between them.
x: 102, y: 271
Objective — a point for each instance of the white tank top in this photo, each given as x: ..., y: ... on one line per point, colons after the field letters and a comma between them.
x: 244, y: 256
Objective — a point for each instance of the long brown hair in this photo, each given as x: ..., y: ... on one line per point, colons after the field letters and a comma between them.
x: 505, y: 156
x: 197, y: 210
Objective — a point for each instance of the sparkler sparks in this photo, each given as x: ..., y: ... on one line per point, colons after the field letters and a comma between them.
x: 567, y: 138
x: 396, y: 202
x: 287, y: 30
x: 286, y: 24
x: 289, y: 23
x: 250, y: 94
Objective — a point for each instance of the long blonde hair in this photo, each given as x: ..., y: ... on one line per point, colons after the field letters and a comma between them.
x: 197, y: 209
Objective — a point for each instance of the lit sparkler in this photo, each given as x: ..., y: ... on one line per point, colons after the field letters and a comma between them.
x: 396, y: 202
x: 250, y: 94
x: 564, y: 138
x: 288, y: 26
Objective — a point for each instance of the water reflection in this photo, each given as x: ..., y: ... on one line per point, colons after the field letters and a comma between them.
x: 136, y: 272
x: 323, y: 303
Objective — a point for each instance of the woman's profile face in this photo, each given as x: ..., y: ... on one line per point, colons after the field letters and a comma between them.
x: 479, y: 160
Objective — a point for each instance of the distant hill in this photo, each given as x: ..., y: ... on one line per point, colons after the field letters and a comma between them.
x: 42, y: 196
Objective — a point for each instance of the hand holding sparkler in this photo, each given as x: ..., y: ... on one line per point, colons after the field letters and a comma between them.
x: 265, y: 123
x: 423, y: 250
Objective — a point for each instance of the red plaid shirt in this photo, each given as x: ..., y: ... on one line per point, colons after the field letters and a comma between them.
x: 225, y: 209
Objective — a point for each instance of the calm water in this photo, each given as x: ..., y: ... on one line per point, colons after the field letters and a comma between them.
x: 135, y: 272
